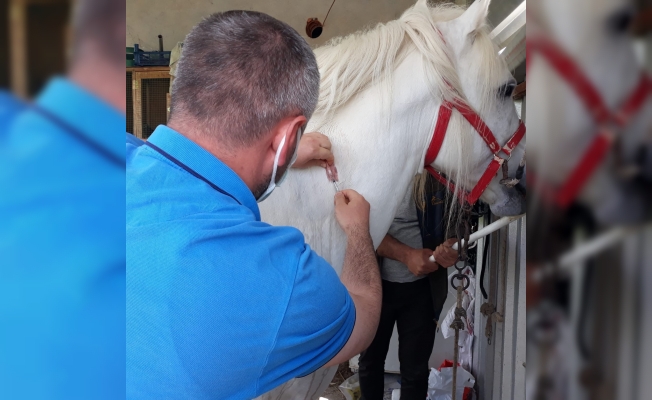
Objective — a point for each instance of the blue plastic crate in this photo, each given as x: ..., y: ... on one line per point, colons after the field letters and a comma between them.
x: 149, y: 58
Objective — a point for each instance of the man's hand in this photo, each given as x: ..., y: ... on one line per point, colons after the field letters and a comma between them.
x: 418, y: 262
x: 445, y: 255
x: 352, y: 211
x: 314, y: 150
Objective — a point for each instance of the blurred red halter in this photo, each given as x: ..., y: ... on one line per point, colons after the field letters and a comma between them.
x: 604, y: 119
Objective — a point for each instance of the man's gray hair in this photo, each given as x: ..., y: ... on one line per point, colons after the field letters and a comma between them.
x: 241, y: 73
x: 103, y: 23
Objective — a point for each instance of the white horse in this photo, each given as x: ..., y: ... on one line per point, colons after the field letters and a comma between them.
x: 379, y: 98
x: 595, y: 33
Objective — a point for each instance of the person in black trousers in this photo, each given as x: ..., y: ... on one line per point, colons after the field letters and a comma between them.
x: 414, y: 292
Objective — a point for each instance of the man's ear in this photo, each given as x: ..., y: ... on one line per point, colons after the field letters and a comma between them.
x: 474, y: 17
x: 287, y: 129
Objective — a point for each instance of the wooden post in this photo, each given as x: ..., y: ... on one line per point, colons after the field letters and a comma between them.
x: 519, y: 91
x: 138, y: 108
x: 137, y: 76
x: 18, y: 47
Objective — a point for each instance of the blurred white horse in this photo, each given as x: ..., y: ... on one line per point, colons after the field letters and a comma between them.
x: 595, y: 34
x: 380, y: 94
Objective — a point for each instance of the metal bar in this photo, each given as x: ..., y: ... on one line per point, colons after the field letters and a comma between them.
x: 520, y: 314
x: 595, y: 246
x: 492, y: 227
x: 509, y: 324
x: 509, y: 25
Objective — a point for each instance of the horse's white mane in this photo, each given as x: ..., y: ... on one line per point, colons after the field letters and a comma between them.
x: 351, y: 63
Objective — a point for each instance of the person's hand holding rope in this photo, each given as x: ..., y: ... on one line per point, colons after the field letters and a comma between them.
x: 445, y: 255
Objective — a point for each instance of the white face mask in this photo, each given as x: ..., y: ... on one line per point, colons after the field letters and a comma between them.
x: 272, y: 182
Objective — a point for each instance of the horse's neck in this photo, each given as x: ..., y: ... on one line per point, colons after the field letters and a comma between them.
x: 607, y: 60
x: 562, y: 126
x: 376, y: 154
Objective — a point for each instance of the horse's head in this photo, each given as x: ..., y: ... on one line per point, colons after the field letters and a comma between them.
x: 483, y: 81
x: 595, y: 37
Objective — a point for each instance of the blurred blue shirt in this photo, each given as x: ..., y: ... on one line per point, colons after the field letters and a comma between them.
x: 62, y: 260
x: 219, y: 304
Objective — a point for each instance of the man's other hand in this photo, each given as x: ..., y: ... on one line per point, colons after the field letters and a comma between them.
x: 445, y: 255
x: 418, y: 262
x: 314, y: 150
x: 352, y: 211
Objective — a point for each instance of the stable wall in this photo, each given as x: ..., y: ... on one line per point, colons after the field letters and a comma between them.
x: 173, y: 19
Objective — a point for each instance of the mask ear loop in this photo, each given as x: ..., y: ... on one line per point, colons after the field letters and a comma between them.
x: 276, y: 158
x: 296, y: 146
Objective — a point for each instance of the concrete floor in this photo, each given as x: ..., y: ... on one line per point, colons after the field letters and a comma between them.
x: 344, y: 372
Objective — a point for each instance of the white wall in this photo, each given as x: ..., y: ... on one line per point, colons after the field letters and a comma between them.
x: 146, y: 19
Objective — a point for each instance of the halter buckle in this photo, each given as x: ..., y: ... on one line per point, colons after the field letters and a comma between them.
x: 502, y: 159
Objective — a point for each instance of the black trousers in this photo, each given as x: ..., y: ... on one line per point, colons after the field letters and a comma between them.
x: 409, y: 305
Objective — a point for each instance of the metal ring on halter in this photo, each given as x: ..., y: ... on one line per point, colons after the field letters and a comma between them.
x: 463, y: 278
x: 501, y: 150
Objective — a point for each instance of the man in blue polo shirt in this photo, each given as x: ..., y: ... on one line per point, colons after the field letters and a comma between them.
x: 62, y: 257
x: 219, y: 304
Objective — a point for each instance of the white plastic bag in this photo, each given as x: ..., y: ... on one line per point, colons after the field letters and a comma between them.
x: 350, y: 388
x: 440, y: 383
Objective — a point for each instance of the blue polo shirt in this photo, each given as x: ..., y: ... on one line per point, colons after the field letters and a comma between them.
x: 219, y: 304
x: 62, y: 257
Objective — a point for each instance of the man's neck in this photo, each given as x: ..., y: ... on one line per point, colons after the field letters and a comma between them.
x: 245, y: 161
x: 99, y: 78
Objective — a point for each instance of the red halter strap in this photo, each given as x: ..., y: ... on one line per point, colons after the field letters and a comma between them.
x: 445, y: 112
x: 588, y: 94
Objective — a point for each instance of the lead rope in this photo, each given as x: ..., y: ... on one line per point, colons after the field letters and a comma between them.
x: 463, y: 232
x: 457, y: 324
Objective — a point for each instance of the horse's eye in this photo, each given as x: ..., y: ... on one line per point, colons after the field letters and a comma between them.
x: 620, y: 21
x: 506, y: 90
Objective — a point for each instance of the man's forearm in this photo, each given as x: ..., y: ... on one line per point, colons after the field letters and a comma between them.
x: 392, y: 248
x: 360, y: 272
x: 361, y: 277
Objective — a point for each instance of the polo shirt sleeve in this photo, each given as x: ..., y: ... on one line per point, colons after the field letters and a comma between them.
x: 318, y: 321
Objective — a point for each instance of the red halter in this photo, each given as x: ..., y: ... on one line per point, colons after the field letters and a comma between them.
x: 588, y: 94
x: 445, y: 112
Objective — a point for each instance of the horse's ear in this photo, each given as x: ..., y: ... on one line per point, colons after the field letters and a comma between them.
x: 475, y: 16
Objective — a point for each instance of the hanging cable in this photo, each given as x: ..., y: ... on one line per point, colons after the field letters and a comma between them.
x: 485, y: 249
x: 329, y: 11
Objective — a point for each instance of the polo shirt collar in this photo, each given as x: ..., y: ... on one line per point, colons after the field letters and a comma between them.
x: 205, y: 164
x: 96, y: 119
